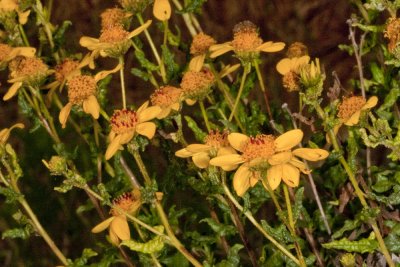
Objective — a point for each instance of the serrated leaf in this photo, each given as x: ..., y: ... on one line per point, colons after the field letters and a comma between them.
x: 233, y: 259
x: 141, y: 74
x: 82, y: 261
x: 170, y: 66
x: 59, y: 35
x: 390, y: 100
x: 221, y: 229
x: 377, y: 73
x: 365, y: 245
x: 280, y: 233
x: 23, y: 233
x: 392, y: 242
x: 154, y: 245
x: 11, y: 195
x: 144, y: 62
x: 348, y: 226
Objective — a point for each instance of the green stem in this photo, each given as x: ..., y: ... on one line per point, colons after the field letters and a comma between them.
x: 180, y: 137
x: 262, y: 86
x: 246, y: 70
x: 149, y: 39
x: 122, y: 78
x: 248, y: 214
x: 357, y: 189
x: 162, y: 63
x: 205, y: 117
x: 186, y: 19
x: 23, y: 35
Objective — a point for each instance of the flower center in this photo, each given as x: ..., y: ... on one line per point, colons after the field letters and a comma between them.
x: 112, y: 17
x: 197, y: 84
x: 65, y: 68
x: 392, y: 32
x: 297, y: 49
x: 290, y: 81
x: 123, y: 121
x: 165, y: 96
x: 127, y: 202
x: 262, y: 147
x: 349, y: 106
x: 200, y: 44
x: 245, y: 37
x: 113, y: 35
x: 216, y: 139
x: 5, y: 50
x: 80, y: 88
x: 28, y: 67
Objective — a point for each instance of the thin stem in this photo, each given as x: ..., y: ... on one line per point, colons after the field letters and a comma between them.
x: 357, y: 189
x: 162, y: 63
x: 180, y: 137
x: 23, y: 35
x: 122, y: 78
x: 248, y: 214
x: 186, y: 19
x: 262, y: 86
x: 246, y: 70
x: 205, y: 117
x: 149, y: 39
x: 128, y: 171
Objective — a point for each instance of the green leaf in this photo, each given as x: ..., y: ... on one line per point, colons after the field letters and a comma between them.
x: 382, y: 185
x: 11, y: 195
x: 392, y: 199
x: 170, y: 66
x: 198, y: 133
x: 192, y: 6
x: 83, y: 260
x: 361, y: 246
x: 220, y: 229
x: 59, y: 34
x: 144, y: 62
x: 298, y: 205
x: 141, y: 74
x: 392, y: 242
x: 388, y: 103
x: 177, y: 260
x: 377, y: 73
x: 348, y: 226
x: 280, y: 233
x: 23, y: 233
x: 233, y: 259
x: 154, y: 245
x: 369, y: 28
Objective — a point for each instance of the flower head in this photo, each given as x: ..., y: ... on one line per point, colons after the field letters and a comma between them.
x: 168, y: 99
x: 392, y: 32
x: 27, y: 71
x: 134, y: 6
x: 199, y: 49
x: 118, y: 225
x: 8, y: 53
x: 114, y: 41
x: 215, y: 144
x: 196, y: 85
x: 162, y: 9
x: 297, y: 49
x: 246, y: 43
x: 267, y: 153
x: 126, y: 123
x: 113, y: 17
x: 7, y: 9
x: 351, y: 107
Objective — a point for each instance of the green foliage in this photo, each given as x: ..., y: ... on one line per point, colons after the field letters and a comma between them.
x: 364, y: 245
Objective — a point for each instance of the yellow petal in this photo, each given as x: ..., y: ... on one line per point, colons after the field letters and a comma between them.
x: 113, y: 147
x: 194, y: 148
x: 176, y: 106
x: 290, y: 175
x: 23, y: 17
x: 196, y: 63
x: 280, y: 158
x: 241, y: 180
x: 372, y: 101
x: 25, y: 51
x: 238, y: 140
x: 4, y: 134
x: 113, y: 237
x: 284, y: 66
x: 148, y: 113
x: 190, y: 102
x: 183, y: 153
x: 162, y: 9
x: 226, y: 160
x: 201, y: 160
x: 89, y: 42
x: 126, y: 137
x: 147, y: 129
x: 164, y: 113
x: 354, y: 119
x: 91, y: 106
x: 302, y: 61
x: 300, y: 165
x: 288, y: 140
x: 121, y: 228
x: 64, y: 113
x: 143, y: 107
x: 228, y: 69
x: 271, y: 47
x: 274, y: 176
x: 227, y: 150
x: 218, y: 46
x: 102, y: 74
x: 12, y: 91
x: 312, y: 154
x: 138, y: 30
x: 221, y: 51
x: 103, y: 225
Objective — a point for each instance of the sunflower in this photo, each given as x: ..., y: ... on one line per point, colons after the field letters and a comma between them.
x: 215, y: 144
x: 246, y: 43
x: 267, y: 153
x: 117, y: 223
x: 126, y: 123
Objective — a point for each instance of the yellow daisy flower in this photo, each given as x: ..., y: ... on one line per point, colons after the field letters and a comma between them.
x: 351, y: 107
x: 290, y: 69
x: 82, y: 91
x: 114, y: 17
x: 30, y: 71
x: 265, y: 152
x: 168, y: 98
x: 5, y: 133
x: 162, y: 10
x: 199, y: 49
x: 215, y: 144
x: 9, y: 6
x: 8, y: 53
x: 196, y: 85
x: 126, y: 123
x: 246, y: 43
x: 117, y: 223
x: 114, y: 41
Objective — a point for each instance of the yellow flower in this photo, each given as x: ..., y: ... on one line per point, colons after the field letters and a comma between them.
x: 246, y: 43
x: 113, y: 17
x: 162, y: 9
x: 30, y: 71
x: 196, y: 85
x: 392, y: 32
x: 199, y: 49
x: 351, y: 107
x: 265, y: 152
x: 126, y: 123
x: 290, y: 69
x: 5, y: 133
x: 117, y: 223
x: 82, y: 91
x: 168, y: 99
x: 114, y: 41
x: 8, y: 53
x: 215, y: 144
x: 9, y: 6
